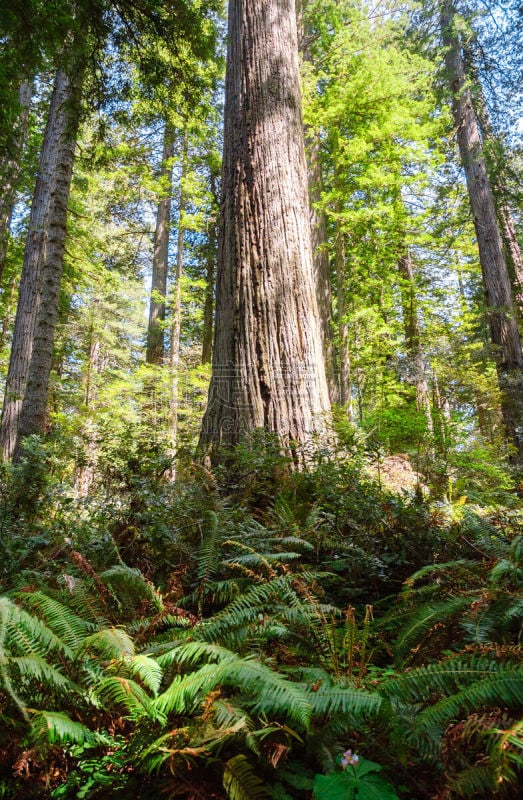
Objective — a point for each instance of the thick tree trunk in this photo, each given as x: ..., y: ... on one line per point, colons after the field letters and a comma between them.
x: 268, y: 368
x: 29, y: 290
x: 34, y: 406
x: 155, y: 332
x: 500, y: 305
x: 505, y: 219
x: 208, y: 310
x: 10, y: 168
x: 176, y: 324
x: 417, y: 373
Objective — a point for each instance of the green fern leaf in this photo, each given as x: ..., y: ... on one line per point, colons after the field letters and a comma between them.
x: 54, y: 727
x: 240, y: 782
x: 126, y: 693
x: 108, y: 643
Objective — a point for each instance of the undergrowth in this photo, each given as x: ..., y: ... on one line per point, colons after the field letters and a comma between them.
x: 274, y: 634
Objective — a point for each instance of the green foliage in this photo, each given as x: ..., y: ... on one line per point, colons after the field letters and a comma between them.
x: 358, y: 780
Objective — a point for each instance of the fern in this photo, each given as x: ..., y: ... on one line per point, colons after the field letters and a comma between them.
x: 130, y: 587
x: 425, y: 618
x: 331, y: 700
x: 70, y: 628
x: 444, y: 678
x: 503, y: 688
x: 34, y: 667
x: 129, y: 695
x: 148, y: 670
x: 54, y: 727
x: 241, y: 782
x: 108, y: 643
x: 267, y: 691
x: 19, y: 629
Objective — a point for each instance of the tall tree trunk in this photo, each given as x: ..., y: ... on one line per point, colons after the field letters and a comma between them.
x: 268, y: 368
x: 10, y: 169
x: 29, y: 289
x: 34, y: 406
x: 320, y: 253
x: 500, y: 305
x: 177, y: 313
x: 413, y: 337
x: 208, y: 310
x: 155, y: 332
x: 505, y: 219
x: 345, y: 395
x: 321, y: 264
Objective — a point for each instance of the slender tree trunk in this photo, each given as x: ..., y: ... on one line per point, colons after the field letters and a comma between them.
x: 33, y: 413
x: 177, y: 313
x: 320, y: 253
x: 500, y: 306
x: 29, y: 289
x: 155, y: 332
x: 10, y: 171
x: 208, y: 310
x: 268, y: 368
x: 345, y: 395
x: 413, y: 337
x: 321, y: 264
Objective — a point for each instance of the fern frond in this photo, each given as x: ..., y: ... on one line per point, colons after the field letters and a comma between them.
x: 26, y: 632
x: 445, y: 677
x: 126, y: 693
x: 425, y: 618
x: 241, y: 782
x: 245, y: 609
x: 54, y: 727
x: 267, y: 691
x: 129, y: 586
x: 329, y: 700
x: 148, y: 670
x: 34, y: 667
x: 209, y: 552
x: 467, y: 565
x: 504, y: 688
x: 69, y: 627
x: 108, y: 643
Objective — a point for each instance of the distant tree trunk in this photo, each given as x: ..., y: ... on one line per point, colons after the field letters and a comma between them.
x: 413, y: 337
x: 345, y: 394
x: 176, y: 324
x: 500, y: 305
x: 268, y: 368
x: 29, y: 289
x: 155, y: 332
x: 10, y: 168
x: 321, y: 264
x: 320, y: 253
x: 34, y: 406
x: 208, y: 310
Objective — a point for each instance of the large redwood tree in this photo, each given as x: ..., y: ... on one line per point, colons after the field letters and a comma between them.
x: 268, y: 364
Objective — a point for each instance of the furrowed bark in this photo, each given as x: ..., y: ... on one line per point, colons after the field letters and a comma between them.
x: 177, y: 314
x: 496, y: 280
x: 208, y: 310
x: 34, y: 255
x: 34, y: 407
x: 268, y: 368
